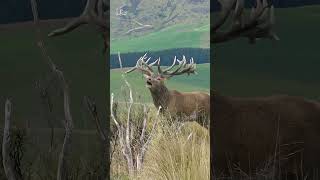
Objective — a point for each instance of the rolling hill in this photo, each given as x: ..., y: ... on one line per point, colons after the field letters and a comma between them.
x: 176, y: 36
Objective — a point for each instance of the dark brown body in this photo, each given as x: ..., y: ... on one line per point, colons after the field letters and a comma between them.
x: 182, y: 103
x: 189, y: 102
x: 246, y: 131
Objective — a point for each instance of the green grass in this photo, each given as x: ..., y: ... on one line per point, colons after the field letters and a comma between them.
x: 176, y: 36
x: 199, y: 82
x: 289, y: 66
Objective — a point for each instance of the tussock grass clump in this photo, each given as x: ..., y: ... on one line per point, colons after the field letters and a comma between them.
x: 178, y: 151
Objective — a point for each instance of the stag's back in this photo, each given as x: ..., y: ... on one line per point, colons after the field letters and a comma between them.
x: 253, y: 126
x: 189, y: 103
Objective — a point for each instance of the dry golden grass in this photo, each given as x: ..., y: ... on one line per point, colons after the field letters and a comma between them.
x: 177, y: 151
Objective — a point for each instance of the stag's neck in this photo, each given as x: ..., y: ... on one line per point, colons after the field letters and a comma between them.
x: 161, y: 97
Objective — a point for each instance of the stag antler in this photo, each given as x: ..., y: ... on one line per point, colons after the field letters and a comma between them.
x: 183, y: 68
x: 143, y: 66
x: 95, y: 12
x: 258, y: 25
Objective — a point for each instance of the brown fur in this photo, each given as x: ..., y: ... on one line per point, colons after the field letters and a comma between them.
x: 180, y: 103
x: 245, y: 131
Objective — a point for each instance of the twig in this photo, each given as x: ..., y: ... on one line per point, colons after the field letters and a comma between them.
x: 128, y: 141
x: 134, y: 154
x: 92, y: 108
x: 68, y: 124
x: 120, y: 61
x: 7, y: 161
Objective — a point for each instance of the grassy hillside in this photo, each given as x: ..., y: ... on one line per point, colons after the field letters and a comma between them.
x: 176, y: 36
x: 155, y: 13
x: 199, y: 82
x: 289, y: 66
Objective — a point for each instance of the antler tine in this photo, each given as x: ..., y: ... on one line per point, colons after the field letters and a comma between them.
x: 93, y: 13
x: 141, y: 64
x: 227, y: 6
x: 159, y: 68
x: 187, y: 68
x: 149, y: 66
x: 258, y: 25
x: 174, y: 63
x: 182, y: 63
x: 167, y: 69
x: 148, y: 60
x: 237, y: 15
x: 135, y: 67
x: 153, y: 63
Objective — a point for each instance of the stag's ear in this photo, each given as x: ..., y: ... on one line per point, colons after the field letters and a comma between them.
x: 160, y: 78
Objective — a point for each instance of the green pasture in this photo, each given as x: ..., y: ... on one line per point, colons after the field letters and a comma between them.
x: 176, y: 36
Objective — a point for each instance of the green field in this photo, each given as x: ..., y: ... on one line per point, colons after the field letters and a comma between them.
x: 198, y: 82
x: 289, y: 66
x: 176, y: 36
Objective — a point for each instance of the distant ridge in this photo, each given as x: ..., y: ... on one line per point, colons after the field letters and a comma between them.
x: 13, y: 11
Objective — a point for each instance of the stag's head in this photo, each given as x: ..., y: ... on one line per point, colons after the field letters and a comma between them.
x: 155, y: 80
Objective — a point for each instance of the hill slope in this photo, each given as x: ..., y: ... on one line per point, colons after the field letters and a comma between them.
x: 176, y: 36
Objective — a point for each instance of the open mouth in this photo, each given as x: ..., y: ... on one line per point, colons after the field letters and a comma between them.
x: 149, y: 84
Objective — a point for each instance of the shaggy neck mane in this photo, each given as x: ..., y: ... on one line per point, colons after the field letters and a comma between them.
x: 160, y: 96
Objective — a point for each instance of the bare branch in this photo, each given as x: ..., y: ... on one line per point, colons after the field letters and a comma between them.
x: 7, y: 161
x: 133, y: 149
x: 120, y: 61
x: 62, y: 169
x: 128, y: 141
x: 92, y: 108
x: 111, y: 110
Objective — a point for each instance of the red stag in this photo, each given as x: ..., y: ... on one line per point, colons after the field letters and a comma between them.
x: 174, y: 102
